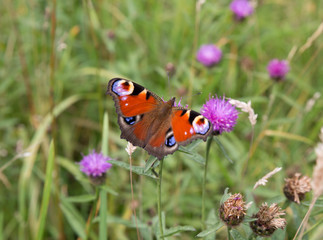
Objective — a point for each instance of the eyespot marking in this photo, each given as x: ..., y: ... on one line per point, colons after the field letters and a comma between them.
x: 170, y: 141
x: 122, y: 87
x: 201, y: 125
x: 130, y: 120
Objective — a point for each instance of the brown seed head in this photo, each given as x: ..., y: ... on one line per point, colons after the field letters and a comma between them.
x: 233, y: 210
x: 268, y: 220
x: 296, y: 187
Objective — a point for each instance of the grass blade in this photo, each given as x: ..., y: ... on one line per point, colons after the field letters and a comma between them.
x: 103, y: 230
x: 46, y: 192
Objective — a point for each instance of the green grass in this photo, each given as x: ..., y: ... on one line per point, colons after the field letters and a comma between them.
x: 53, y: 80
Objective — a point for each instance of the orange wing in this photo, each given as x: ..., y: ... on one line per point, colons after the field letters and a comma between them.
x: 189, y: 125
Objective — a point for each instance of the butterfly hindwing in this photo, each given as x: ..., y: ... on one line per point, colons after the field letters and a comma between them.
x: 189, y: 125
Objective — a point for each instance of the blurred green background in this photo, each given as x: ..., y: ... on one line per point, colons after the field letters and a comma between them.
x: 56, y: 59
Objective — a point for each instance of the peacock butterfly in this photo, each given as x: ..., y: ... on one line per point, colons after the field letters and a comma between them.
x: 149, y: 122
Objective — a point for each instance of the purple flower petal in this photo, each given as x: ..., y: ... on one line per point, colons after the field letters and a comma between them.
x: 241, y: 8
x: 221, y: 114
x: 209, y: 55
x: 278, y: 69
x: 95, y: 164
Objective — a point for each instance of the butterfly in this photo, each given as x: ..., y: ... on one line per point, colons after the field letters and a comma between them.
x: 149, y: 122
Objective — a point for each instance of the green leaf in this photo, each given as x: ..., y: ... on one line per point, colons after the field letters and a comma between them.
x: 193, y: 145
x: 174, y: 230
x: 151, y: 163
x: 80, y: 199
x: 47, y: 190
x: 74, y: 218
x: 211, y: 218
x: 109, y: 190
x: 223, y: 149
x: 192, y: 155
x: 236, y: 235
x: 279, y: 234
x: 74, y: 169
x: 225, y: 196
x: 135, y: 169
x: 210, y: 230
x: 248, y: 219
x: 122, y: 221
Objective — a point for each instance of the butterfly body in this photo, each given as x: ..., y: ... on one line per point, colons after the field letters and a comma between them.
x: 147, y: 121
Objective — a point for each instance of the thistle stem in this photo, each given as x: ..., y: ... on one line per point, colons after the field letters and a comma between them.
x: 159, y: 182
x: 229, y: 236
x: 92, y: 213
x: 208, y: 145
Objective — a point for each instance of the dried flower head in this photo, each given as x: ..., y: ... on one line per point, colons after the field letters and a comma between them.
x: 268, y: 220
x: 95, y: 166
x: 221, y: 114
x: 233, y: 210
x: 296, y: 187
x: 241, y: 9
x: 278, y: 69
x: 246, y: 107
x: 209, y: 55
x: 264, y: 179
x: 130, y: 148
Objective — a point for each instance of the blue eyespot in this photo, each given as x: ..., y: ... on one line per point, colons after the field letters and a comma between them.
x: 130, y: 120
x: 170, y: 141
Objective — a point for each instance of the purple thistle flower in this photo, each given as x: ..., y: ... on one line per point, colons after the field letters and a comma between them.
x: 278, y: 69
x: 241, y: 8
x: 95, y: 164
x: 209, y: 55
x: 221, y: 114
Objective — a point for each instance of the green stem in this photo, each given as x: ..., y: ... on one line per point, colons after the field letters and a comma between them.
x: 92, y: 213
x: 159, y: 183
x: 208, y: 146
x: 229, y: 235
x: 103, y: 230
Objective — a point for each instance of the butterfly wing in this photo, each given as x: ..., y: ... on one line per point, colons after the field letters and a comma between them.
x: 134, y: 106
